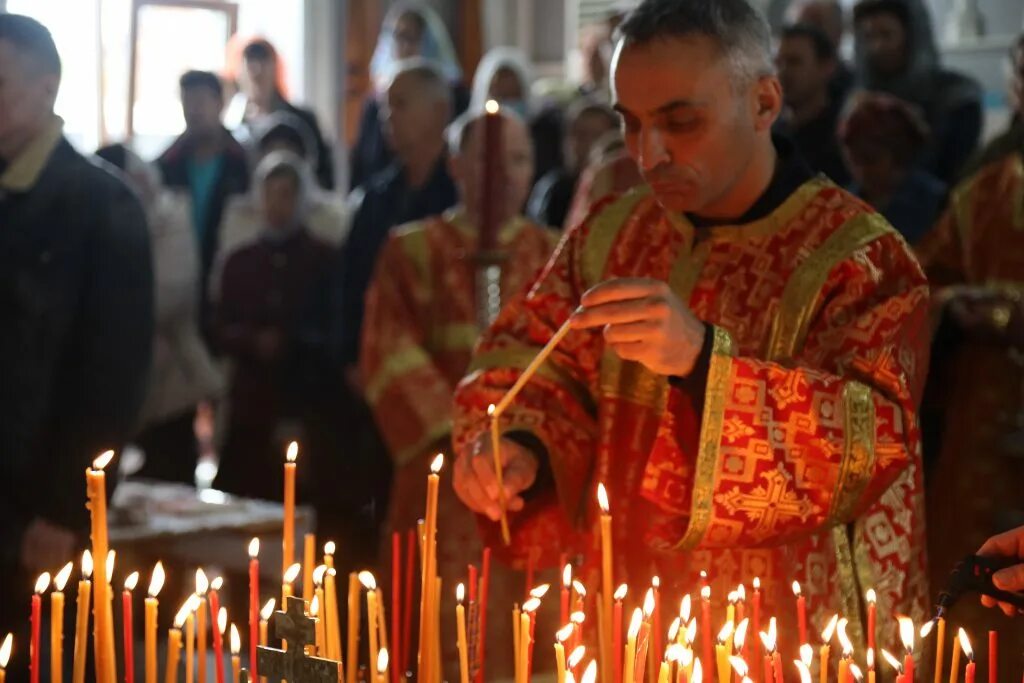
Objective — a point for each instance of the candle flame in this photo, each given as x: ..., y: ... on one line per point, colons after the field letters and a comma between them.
x: 741, y: 593
x: 649, y: 602
x: 5, y: 650
x: 236, y: 641
x: 698, y: 672
x: 329, y: 548
x: 871, y: 596
x: 674, y: 653
x: 673, y: 629
x: 691, y: 631
x: 42, y: 582
x: 620, y: 592
x: 102, y: 460
x: 131, y: 581
x: 857, y: 673
x: 805, y: 672
x: 569, y: 677
x: 807, y: 654
x: 202, y: 583
x: 871, y: 659
x: 292, y: 573
x: 686, y: 657
x: 576, y: 656
x: 318, y: 575
x: 926, y: 629
x: 906, y: 632
x: 314, y: 606
x: 437, y: 464
x: 965, y: 644
x: 655, y: 582
x: 460, y: 593
x: 62, y: 577
x: 217, y: 583
x: 567, y: 575
x: 685, y: 606
x: 293, y: 452
x: 565, y: 632
x: 578, y: 617
x: 111, y: 558
x: 254, y: 548
x: 602, y: 499
x: 757, y: 583
x: 893, y: 662
x: 86, y: 565
x: 747, y: 679
x: 767, y: 642
x: 368, y: 580
x: 491, y: 107
x: 732, y: 597
x: 268, y: 610
x: 796, y: 588
x: 741, y: 634
x: 590, y: 673
x: 844, y: 640
x: 531, y: 605
x: 540, y: 591
x: 490, y: 410
x: 382, y: 661
x: 830, y: 629
x: 705, y: 593
x: 726, y: 631
x: 580, y: 589
x: 634, y: 622
x: 222, y: 620
x: 738, y: 665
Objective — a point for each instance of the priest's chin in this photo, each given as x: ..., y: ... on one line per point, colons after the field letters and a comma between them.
x: 678, y: 198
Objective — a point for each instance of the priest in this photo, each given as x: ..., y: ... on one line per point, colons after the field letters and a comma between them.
x: 747, y: 348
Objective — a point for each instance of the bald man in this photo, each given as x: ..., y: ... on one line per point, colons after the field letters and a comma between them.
x: 75, y: 309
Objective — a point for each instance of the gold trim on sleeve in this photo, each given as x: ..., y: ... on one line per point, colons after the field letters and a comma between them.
x: 603, y: 229
x: 859, y: 454
x: 396, y: 365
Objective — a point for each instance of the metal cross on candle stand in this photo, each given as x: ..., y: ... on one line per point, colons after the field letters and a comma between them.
x: 292, y: 665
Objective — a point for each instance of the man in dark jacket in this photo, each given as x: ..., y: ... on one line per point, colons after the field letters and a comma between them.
x: 76, y: 312
x: 208, y: 163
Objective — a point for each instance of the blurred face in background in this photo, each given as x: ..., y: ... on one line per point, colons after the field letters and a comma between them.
x: 280, y: 200
x: 884, y: 39
x: 408, y: 35
x: 588, y: 128
x: 27, y: 95
x: 873, y: 168
x: 506, y: 86
x: 201, y: 107
x: 803, y: 75
x: 412, y: 115
x: 467, y: 168
x: 261, y: 77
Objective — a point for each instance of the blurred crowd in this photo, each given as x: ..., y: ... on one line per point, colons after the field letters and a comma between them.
x: 229, y: 297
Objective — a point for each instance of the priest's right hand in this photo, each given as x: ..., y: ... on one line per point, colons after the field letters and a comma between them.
x: 1007, y: 544
x: 476, y: 483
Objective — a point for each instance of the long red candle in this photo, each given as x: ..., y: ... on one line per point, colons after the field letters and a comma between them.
x: 396, y: 604
x: 410, y: 570
x: 485, y: 589
x: 563, y: 597
x: 993, y: 657
x: 218, y: 635
x: 490, y: 207
x: 129, y: 641
x: 756, y: 608
x: 871, y: 599
x: 659, y: 635
x: 705, y: 624
x: 37, y: 607
x: 254, y: 605
x: 801, y: 612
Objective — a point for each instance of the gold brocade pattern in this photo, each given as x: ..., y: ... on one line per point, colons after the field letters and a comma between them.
x: 859, y: 460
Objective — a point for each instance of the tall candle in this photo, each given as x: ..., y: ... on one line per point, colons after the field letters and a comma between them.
x: 127, y: 628
x: 659, y: 635
x: 462, y: 640
x: 202, y: 586
x: 82, y: 619
x: 254, y: 603
x: 57, y: 623
x: 428, y: 607
x: 410, y: 564
x: 5, y: 656
x: 372, y: 623
x: 940, y: 644
x: 993, y: 657
x: 156, y: 583
x: 801, y: 611
x: 871, y: 598
x: 219, y: 614
x: 756, y: 605
x: 36, y: 619
x: 190, y: 641
x: 524, y: 647
x: 705, y: 623
x: 103, y: 634
x: 331, y: 614
x: 354, y: 613
x: 236, y: 659
x: 607, y: 585
x: 288, y: 533
x: 308, y: 566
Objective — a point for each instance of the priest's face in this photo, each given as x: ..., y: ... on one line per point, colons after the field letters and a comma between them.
x: 691, y: 122
x: 468, y: 168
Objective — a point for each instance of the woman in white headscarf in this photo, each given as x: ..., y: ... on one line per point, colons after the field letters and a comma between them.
x: 410, y: 29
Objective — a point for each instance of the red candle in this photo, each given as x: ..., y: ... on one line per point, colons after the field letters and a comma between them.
x: 756, y: 603
x: 618, y: 646
x: 993, y: 657
x: 396, y: 603
x: 801, y: 611
x: 410, y: 571
x: 254, y: 604
x: 220, y: 616
x: 871, y: 599
x: 126, y: 614
x: 969, y: 674
x: 659, y: 636
x: 37, y: 606
x: 493, y: 172
x: 563, y: 605
x: 485, y: 587
x: 705, y: 623
x: 777, y: 667
x: 907, y: 636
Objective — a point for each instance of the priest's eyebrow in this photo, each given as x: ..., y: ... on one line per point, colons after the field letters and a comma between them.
x: 666, y: 108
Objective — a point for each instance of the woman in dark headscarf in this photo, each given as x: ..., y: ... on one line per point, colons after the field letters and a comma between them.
x: 896, y: 54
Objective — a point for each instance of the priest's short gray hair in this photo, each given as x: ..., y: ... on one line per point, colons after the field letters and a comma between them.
x: 736, y: 26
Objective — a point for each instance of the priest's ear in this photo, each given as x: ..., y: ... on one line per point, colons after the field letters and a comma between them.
x: 765, y: 101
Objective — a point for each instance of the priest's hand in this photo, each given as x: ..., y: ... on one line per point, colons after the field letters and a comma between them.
x: 1008, y: 544
x: 476, y: 483
x: 644, y: 321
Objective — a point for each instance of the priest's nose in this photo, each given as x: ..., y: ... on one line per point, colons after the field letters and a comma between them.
x: 653, y: 152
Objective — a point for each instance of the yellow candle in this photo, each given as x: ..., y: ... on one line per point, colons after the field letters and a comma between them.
x: 202, y: 586
x: 517, y: 642
x: 288, y: 533
x: 103, y: 634
x: 155, y: 584
x: 559, y: 662
x: 607, y: 590
x: 236, y: 658
x: 352, y: 651
x: 663, y: 671
x: 940, y: 642
x: 524, y: 647
x: 190, y: 643
x: 174, y: 641
x: 460, y: 625
x: 428, y: 636
x: 308, y: 566
x: 314, y: 612
x: 331, y: 604
x: 954, y: 673
x: 382, y: 620
x: 372, y: 623
x: 82, y: 619
x: 629, y: 666
x: 57, y: 624
x: 722, y: 653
